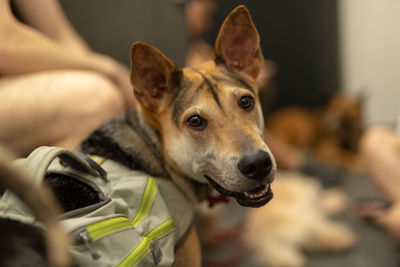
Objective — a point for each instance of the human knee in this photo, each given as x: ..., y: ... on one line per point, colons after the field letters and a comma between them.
x: 374, y: 139
x: 89, y: 100
x: 100, y: 94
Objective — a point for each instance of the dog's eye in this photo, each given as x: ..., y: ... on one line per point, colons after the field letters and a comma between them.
x: 246, y: 102
x: 196, y: 122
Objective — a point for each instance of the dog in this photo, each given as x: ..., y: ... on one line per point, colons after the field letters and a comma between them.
x: 331, y: 133
x: 200, y: 126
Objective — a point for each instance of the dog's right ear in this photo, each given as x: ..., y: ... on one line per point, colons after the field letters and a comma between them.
x: 238, y: 44
x: 154, y: 77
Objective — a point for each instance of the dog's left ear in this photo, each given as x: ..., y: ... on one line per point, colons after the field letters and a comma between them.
x: 154, y: 77
x: 238, y: 44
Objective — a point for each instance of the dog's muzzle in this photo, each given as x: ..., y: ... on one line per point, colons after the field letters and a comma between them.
x: 256, y: 166
x: 254, y: 198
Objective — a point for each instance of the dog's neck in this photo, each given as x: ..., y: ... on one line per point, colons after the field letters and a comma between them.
x: 131, y: 141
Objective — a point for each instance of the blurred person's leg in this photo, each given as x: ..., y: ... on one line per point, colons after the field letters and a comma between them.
x: 380, y: 148
x: 58, y: 108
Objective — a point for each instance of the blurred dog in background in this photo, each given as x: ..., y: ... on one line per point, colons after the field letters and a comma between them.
x: 331, y: 133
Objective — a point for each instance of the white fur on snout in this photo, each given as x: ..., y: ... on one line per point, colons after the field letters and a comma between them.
x: 195, y: 167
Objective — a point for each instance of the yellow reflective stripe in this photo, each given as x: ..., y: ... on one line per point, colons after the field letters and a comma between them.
x: 147, y: 200
x: 100, y: 229
x: 98, y: 159
x: 144, y: 247
x: 161, y: 230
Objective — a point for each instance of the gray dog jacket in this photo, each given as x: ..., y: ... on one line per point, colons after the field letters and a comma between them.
x: 139, y: 220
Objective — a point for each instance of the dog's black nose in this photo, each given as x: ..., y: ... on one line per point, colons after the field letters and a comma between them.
x: 255, y: 164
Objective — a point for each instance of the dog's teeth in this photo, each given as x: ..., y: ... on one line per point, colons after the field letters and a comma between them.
x: 255, y: 195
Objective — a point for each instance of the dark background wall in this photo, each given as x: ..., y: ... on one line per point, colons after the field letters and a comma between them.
x: 111, y: 26
x: 302, y: 37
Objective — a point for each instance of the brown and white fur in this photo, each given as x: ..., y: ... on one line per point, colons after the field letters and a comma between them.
x: 198, y: 126
x: 331, y: 133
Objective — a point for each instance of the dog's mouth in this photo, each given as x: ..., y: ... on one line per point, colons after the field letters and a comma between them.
x: 254, y: 198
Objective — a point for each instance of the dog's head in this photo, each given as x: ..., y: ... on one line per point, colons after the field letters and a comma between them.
x: 209, y: 116
x: 342, y: 120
